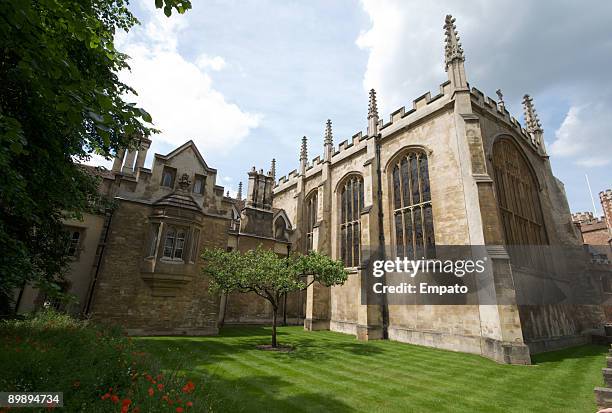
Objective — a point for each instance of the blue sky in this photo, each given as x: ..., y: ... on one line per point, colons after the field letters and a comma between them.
x: 247, y: 79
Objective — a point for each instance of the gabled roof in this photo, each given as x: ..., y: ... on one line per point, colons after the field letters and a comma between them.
x: 183, y: 147
x: 280, y: 213
x: 178, y: 200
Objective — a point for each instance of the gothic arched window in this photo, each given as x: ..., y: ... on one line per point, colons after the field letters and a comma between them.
x: 517, y: 195
x: 412, y: 211
x: 351, y: 205
x: 280, y: 229
x: 311, y: 220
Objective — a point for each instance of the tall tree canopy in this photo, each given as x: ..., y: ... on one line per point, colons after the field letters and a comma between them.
x: 60, y: 100
x: 269, y: 275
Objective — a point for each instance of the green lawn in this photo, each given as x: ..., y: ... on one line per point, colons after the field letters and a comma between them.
x: 335, y: 372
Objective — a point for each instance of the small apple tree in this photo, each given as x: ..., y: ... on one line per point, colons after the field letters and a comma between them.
x: 269, y: 275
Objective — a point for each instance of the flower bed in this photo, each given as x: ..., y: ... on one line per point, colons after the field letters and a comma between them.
x: 96, y: 367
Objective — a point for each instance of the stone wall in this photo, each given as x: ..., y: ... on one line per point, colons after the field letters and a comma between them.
x: 124, y: 298
x: 545, y: 327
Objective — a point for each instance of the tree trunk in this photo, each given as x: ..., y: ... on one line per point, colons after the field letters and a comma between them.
x: 285, y: 310
x: 274, y: 311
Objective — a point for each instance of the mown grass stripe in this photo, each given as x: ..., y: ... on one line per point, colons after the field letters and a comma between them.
x: 330, y: 371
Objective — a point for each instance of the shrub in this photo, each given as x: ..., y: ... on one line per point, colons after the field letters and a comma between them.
x: 96, y: 367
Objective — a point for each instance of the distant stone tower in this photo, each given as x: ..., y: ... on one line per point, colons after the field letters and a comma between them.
x: 256, y: 217
x: 606, y: 204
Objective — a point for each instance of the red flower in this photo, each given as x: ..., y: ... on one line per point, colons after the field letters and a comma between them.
x: 151, y: 391
x: 160, y: 387
x: 106, y: 396
x: 189, y: 387
x: 126, y: 402
x: 179, y: 410
x: 114, y: 398
x: 189, y: 404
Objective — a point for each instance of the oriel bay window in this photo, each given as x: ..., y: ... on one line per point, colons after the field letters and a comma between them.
x: 153, y: 236
x: 174, y: 243
x: 412, y: 210
x: 351, y: 205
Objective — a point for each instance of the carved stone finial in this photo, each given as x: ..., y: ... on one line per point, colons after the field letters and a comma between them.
x: 329, y: 139
x: 452, y: 49
x: 532, y: 122
x: 372, y: 106
x: 304, y: 149
x: 273, y: 169
x: 500, y: 98
x: 239, y: 194
x: 184, y: 182
x: 227, y: 193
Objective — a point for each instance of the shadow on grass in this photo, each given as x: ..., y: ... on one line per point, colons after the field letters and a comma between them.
x: 582, y: 352
x: 248, y: 330
x: 234, y: 341
x: 257, y: 393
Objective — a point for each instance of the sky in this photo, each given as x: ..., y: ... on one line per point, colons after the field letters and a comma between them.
x: 246, y: 79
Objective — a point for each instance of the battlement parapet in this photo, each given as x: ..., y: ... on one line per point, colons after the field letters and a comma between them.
x: 287, y: 181
x: 587, y: 221
x: 500, y: 112
x: 582, y: 216
x: 419, y: 104
x: 606, y: 195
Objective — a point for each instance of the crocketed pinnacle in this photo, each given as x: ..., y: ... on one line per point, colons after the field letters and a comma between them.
x: 329, y: 138
x: 304, y: 149
x: 273, y: 168
x: 531, y: 117
x: 372, y: 106
x: 452, y: 49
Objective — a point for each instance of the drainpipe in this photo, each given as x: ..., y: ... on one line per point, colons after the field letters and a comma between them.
x: 381, y: 237
x: 285, y: 298
x: 98, y: 262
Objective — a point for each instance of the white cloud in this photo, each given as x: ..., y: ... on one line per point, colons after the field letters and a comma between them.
x: 506, y: 46
x: 97, y: 160
x: 585, y: 136
x: 215, y: 63
x: 177, y: 93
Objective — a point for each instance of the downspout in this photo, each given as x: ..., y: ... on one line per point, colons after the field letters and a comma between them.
x: 98, y: 262
x: 18, y: 303
x: 285, y: 298
x: 381, y: 238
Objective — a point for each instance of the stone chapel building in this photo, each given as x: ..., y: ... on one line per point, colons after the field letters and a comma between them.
x: 454, y: 169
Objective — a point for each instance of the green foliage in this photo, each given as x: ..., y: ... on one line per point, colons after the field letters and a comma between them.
x: 90, y: 364
x: 179, y: 5
x: 269, y: 275
x: 60, y: 101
